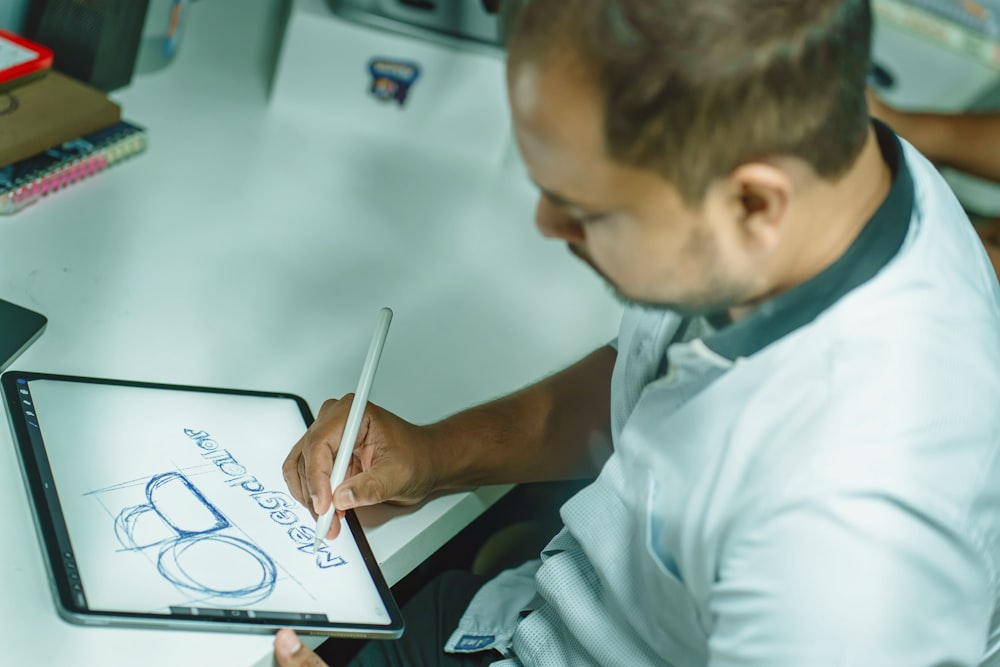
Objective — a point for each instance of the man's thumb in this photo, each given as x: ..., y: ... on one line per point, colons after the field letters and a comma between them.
x: 361, y: 490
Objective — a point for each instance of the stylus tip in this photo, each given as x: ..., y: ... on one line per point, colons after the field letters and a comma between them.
x: 316, y: 543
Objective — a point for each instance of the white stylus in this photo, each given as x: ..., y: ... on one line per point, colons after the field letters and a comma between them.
x: 346, y: 449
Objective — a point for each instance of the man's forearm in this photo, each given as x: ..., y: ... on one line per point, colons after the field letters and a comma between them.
x: 558, y: 428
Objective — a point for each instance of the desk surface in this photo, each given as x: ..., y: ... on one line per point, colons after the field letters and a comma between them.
x: 251, y: 247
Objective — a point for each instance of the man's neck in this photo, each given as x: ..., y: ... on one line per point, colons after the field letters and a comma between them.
x: 824, y: 220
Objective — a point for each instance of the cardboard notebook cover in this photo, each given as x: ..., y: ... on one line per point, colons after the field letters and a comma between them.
x: 49, y: 111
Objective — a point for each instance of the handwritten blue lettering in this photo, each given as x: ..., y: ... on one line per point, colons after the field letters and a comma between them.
x: 277, y: 504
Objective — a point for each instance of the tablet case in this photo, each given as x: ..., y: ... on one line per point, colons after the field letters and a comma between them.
x: 19, y: 327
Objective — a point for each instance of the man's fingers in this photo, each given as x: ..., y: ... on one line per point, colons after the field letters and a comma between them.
x: 290, y: 471
x: 319, y: 450
x: 335, y: 525
x: 344, y: 498
x: 289, y: 651
x: 316, y: 474
x: 309, y: 503
x: 363, y: 489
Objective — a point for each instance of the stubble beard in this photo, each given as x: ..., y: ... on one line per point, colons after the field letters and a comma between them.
x: 719, y: 294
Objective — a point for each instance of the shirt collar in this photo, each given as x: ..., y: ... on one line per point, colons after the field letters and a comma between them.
x: 878, y: 242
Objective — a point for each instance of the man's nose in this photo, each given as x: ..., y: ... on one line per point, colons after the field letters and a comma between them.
x: 553, y: 222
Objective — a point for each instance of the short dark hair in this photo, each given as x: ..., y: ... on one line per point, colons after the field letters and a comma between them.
x: 694, y: 88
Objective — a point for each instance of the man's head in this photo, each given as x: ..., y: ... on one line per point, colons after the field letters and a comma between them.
x: 669, y: 137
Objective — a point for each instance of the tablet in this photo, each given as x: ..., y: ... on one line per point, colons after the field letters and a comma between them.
x: 164, y: 506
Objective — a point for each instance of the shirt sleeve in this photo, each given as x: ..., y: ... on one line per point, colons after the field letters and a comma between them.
x: 856, y: 579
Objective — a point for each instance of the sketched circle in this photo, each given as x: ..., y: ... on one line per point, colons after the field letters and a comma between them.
x: 219, y: 566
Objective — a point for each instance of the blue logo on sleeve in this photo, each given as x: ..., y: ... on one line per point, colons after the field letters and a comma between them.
x: 474, y: 642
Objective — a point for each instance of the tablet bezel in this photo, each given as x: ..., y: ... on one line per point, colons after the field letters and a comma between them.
x: 54, y: 540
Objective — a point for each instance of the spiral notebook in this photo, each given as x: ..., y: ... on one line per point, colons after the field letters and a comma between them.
x: 28, y: 180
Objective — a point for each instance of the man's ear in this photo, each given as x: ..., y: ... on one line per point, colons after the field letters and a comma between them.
x: 759, y: 195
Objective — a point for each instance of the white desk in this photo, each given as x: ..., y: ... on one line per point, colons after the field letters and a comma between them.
x: 252, y: 246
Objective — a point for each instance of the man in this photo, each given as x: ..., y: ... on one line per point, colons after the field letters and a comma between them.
x: 802, y: 401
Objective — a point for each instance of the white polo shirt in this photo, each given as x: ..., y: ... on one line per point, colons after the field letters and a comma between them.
x: 816, y: 484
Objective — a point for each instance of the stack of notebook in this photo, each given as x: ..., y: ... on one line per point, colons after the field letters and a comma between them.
x: 55, y: 131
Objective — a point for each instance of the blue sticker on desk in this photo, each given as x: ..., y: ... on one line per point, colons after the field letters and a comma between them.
x: 392, y: 79
x: 474, y: 643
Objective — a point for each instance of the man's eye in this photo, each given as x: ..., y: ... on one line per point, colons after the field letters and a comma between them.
x: 591, y: 218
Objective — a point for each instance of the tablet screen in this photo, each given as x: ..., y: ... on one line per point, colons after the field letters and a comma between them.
x: 167, y: 503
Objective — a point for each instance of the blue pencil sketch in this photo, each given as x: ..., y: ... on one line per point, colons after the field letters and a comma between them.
x: 186, y: 527
x: 174, y: 507
x: 249, y: 574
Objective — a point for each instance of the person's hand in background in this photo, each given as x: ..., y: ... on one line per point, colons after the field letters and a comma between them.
x: 969, y: 142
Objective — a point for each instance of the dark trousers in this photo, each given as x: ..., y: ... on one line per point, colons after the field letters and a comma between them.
x: 431, y: 616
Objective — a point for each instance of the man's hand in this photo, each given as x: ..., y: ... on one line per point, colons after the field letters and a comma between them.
x: 289, y: 651
x: 392, y: 462
x: 557, y: 428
